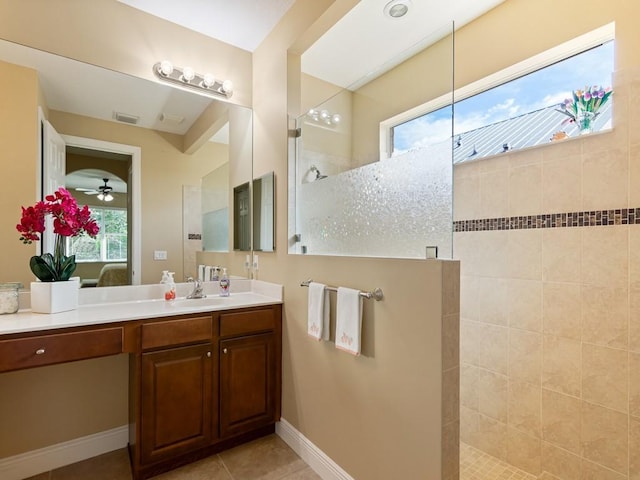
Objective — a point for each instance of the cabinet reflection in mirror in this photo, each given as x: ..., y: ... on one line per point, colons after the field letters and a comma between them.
x: 264, y: 213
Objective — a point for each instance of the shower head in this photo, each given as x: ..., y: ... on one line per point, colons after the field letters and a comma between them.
x: 319, y: 176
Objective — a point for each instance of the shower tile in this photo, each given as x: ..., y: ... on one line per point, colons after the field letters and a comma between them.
x: 491, y: 253
x: 492, y: 301
x: 605, y: 179
x: 466, y: 197
x: 525, y: 254
x: 605, y: 437
x: 634, y: 448
x: 523, y: 451
x: 560, y: 463
x: 634, y: 317
x: 524, y: 304
x: 520, y: 158
x: 604, y: 376
x: 605, y: 315
x: 605, y: 258
x: 524, y: 408
x: 451, y: 395
x: 451, y: 451
x: 492, y: 395
x: 470, y: 344
x: 450, y: 341
x: 561, y: 420
x: 492, y: 437
x: 561, y: 249
x: 561, y: 151
x: 525, y: 190
x: 492, y: 344
x: 593, y: 471
x: 634, y: 248
x: 525, y: 356
x: 469, y: 428
x: 561, y: 365
x: 634, y: 170
x: 494, y: 199
x: 558, y: 194
x: 562, y: 310
x: 469, y: 297
x: 634, y: 384
x: 469, y: 386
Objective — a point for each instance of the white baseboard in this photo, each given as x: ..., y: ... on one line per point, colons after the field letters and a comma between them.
x: 319, y: 462
x: 45, y: 459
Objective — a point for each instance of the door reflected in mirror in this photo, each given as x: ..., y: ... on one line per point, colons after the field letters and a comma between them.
x: 242, y: 217
x: 215, y: 210
x: 264, y: 213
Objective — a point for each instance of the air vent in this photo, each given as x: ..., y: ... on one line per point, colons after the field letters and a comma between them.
x: 126, y: 118
x: 169, y: 118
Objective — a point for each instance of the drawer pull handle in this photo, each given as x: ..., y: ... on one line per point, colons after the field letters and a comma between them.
x: 209, y: 354
x: 40, y: 351
x: 224, y: 350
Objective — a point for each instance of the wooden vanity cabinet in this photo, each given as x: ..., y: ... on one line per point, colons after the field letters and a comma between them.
x: 201, y: 384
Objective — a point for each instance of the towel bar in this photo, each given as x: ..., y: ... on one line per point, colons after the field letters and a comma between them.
x: 374, y: 294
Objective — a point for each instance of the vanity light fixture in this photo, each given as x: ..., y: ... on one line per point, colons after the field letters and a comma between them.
x: 397, y: 8
x: 187, y: 77
x: 324, y: 116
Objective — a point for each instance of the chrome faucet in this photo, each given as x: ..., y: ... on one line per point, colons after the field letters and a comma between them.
x: 197, y: 289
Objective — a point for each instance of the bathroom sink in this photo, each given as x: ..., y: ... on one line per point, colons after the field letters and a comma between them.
x: 199, y: 302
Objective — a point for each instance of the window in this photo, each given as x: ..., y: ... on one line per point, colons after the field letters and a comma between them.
x: 512, y: 114
x: 109, y: 245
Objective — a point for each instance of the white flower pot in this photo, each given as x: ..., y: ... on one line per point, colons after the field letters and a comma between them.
x: 54, y: 297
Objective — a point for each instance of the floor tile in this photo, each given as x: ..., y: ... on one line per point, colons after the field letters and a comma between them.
x: 110, y: 466
x: 477, y: 465
x: 210, y: 468
x: 268, y: 458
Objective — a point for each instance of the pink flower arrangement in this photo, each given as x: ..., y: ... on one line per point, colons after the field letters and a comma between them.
x: 69, y: 220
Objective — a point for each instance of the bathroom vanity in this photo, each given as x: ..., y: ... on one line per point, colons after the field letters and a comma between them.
x: 203, y: 375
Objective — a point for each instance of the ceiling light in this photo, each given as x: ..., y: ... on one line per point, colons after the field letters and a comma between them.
x: 397, y: 8
x: 324, y: 116
x: 187, y: 77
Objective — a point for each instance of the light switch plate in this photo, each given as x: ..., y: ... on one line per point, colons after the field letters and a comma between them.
x: 159, y: 254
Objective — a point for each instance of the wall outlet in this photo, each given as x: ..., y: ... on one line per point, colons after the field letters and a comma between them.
x: 159, y: 254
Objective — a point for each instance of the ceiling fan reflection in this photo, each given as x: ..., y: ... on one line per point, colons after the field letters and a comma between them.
x: 103, y: 192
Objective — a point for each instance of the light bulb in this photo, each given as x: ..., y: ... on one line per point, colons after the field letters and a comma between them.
x: 166, y: 68
x: 227, y: 86
x: 108, y: 197
x: 324, y: 114
x: 208, y: 80
x: 336, y: 118
x: 312, y: 112
x: 100, y: 196
x: 188, y: 74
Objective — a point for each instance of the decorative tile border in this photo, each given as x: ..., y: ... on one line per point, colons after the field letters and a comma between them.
x: 624, y: 216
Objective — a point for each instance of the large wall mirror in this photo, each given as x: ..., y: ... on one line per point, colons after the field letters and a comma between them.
x: 156, y: 163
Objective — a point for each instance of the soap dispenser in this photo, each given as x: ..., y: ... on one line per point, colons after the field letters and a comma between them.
x: 225, y: 284
x: 169, y: 287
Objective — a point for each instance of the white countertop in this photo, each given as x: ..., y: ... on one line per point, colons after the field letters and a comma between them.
x: 117, y: 304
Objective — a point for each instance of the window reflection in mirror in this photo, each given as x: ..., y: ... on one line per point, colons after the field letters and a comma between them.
x: 264, y: 213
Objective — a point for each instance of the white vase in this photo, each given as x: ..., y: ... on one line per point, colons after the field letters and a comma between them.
x: 54, y: 297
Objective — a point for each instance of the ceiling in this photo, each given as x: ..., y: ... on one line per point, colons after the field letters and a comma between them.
x: 359, y: 46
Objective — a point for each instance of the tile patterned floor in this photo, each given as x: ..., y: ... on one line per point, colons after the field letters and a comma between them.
x: 477, y: 465
x: 267, y: 458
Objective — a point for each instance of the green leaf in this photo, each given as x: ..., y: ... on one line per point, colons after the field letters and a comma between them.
x: 42, y: 269
x: 67, y: 267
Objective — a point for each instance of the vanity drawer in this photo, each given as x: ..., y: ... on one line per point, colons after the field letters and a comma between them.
x: 177, y: 332
x: 241, y: 323
x: 59, y: 348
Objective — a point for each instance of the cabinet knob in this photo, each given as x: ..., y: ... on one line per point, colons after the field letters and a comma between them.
x: 209, y: 354
x: 224, y: 350
x: 40, y: 351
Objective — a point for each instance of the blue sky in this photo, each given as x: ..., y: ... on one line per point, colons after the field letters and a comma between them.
x: 539, y: 89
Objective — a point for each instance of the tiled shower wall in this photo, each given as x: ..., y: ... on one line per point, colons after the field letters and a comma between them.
x: 550, y: 314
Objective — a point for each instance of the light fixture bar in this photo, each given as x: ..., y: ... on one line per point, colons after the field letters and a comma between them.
x: 187, y: 77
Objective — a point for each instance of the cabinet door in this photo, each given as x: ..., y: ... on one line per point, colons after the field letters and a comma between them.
x: 176, y: 401
x: 247, y: 383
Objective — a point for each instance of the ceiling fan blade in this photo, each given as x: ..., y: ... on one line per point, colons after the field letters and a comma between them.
x: 91, y: 192
x: 80, y: 189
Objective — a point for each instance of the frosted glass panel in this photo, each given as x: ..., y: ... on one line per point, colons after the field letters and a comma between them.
x: 392, y: 208
x: 215, y: 231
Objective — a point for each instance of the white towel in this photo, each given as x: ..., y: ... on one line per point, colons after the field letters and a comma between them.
x: 348, y: 320
x: 318, y: 315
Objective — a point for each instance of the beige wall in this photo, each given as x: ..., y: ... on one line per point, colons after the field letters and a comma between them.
x: 164, y: 170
